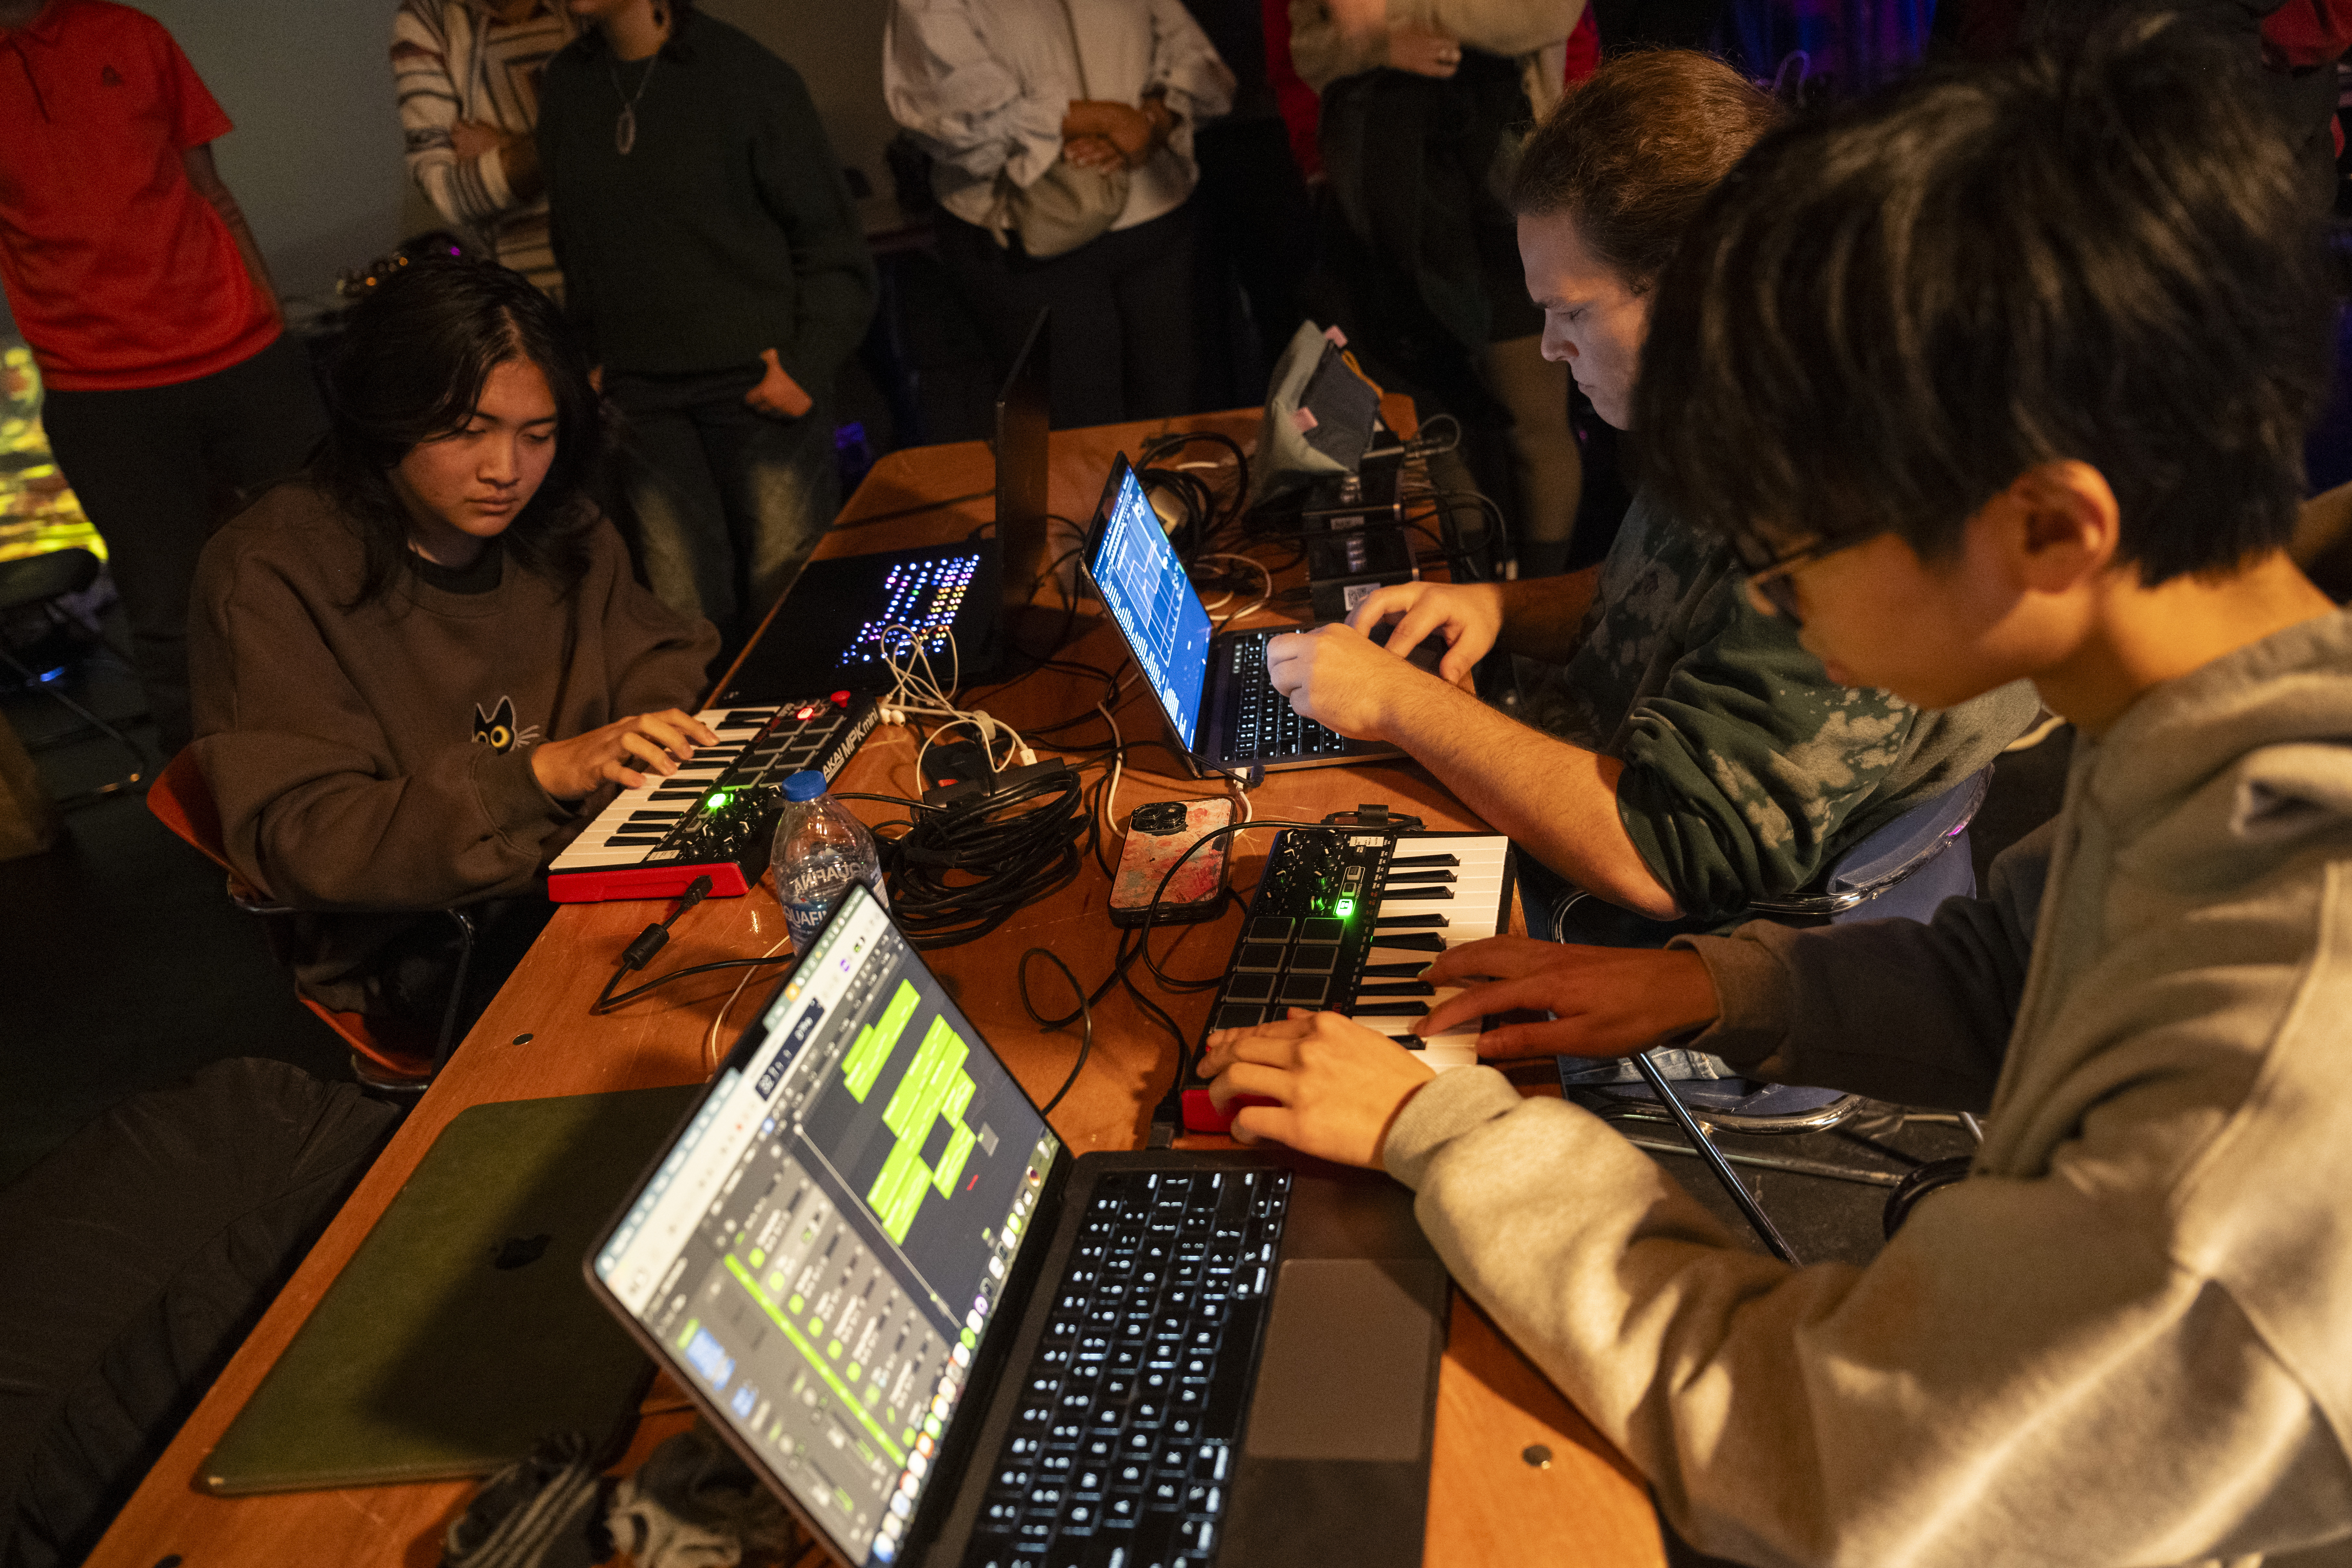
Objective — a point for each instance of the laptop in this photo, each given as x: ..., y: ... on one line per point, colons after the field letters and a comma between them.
x: 1222, y: 712
x: 832, y: 629
x: 1022, y: 417
x: 458, y: 1336
x: 944, y: 1339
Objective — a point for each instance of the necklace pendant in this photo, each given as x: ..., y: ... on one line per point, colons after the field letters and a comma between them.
x: 625, y: 130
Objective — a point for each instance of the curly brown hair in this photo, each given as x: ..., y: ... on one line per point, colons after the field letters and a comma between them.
x: 1632, y: 153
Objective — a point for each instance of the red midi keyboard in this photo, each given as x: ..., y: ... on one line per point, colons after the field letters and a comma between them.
x: 716, y: 815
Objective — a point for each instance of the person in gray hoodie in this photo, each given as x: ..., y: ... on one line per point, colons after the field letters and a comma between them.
x: 2016, y: 364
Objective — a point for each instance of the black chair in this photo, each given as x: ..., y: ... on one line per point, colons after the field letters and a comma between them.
x: 39, y: 585
x: 395, y: 1065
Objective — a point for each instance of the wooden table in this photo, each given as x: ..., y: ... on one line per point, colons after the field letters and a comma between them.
x: 1489, y: 1502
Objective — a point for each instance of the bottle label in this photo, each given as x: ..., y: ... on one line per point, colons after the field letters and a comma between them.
x: 806, y: 916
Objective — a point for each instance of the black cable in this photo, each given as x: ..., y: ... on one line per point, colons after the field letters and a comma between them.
x: 1085, y: 1015
x: 958, y: 873
x: 1069, y: 605
x: 1160, y: 445
x: 649, y: 942
x: 607, y: 1002
x: 1427, y: 445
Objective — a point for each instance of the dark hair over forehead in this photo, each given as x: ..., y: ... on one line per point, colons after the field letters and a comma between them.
x: 1884, y: 317
x: 1631, y: 152
x: 410, y: 366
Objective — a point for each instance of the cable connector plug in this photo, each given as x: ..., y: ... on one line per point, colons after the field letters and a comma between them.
x: 654, y: 937
x: 650, y: 941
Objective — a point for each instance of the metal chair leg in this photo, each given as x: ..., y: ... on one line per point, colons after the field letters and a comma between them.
x: 466, y: 930
x: 1704, y: 1148
x: 141, y: 765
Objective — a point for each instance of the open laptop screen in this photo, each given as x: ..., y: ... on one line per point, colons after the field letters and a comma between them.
x: 1146, y: 589
x: 824, y: 1246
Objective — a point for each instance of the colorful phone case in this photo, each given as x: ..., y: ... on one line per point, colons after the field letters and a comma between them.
x: 1197, y: 892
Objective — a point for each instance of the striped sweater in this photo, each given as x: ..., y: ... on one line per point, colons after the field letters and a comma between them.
x: 453, y: 60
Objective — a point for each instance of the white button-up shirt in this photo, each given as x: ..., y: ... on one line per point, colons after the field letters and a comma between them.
x: 983, y: 84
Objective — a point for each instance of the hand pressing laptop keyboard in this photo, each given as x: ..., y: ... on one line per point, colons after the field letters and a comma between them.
x: 1264, y: 723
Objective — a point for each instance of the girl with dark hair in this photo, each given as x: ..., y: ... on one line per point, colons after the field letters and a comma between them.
x: 414, y: 666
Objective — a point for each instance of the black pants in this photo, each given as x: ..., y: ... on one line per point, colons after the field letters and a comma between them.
x: 1656, y: 24
x: 730, y: 502
x: 1123, y: 341
x: 1257, y: 230
x: 156, y: 469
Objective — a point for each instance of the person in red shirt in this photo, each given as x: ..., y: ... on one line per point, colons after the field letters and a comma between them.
x: 131, y: 274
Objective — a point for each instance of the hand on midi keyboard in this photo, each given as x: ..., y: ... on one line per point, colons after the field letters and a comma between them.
x: 621, y: 752
x: 1604, y: 1001
x: 1335, y: 1085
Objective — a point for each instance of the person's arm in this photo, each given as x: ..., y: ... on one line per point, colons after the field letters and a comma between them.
x: 964, y: 105
x: 1505, y: 28
x: 2022, y: 1372
x: 1541, y: 618
x: 206, y: 178
x: 2051, y: 1358
x: 300, y: 769
x: 803, y: 187
x: 1913, y: 1014
x: 1558, y: 801
x: 1334, y: 38
x: 472, y: 173
x: 1192, y: 83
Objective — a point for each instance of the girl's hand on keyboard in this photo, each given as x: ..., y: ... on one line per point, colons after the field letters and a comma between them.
x: 621, y: 752
x: 1604, y: 1001
x: 1467, y: 616
x: 1334, y: 1085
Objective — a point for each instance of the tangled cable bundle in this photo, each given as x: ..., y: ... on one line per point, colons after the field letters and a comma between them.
x: 957, y: 873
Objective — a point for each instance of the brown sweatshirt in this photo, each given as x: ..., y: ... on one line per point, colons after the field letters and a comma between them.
x: 379, y: 758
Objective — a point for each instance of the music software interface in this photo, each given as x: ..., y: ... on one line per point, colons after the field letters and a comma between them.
x: 920, y: 600
x: 1145, y: 587
x: 826, y: 1245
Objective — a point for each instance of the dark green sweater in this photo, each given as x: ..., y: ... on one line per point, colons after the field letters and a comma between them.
x: 727, y: 229
x: 1748, y: 771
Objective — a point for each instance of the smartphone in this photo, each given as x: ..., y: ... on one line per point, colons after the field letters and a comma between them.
x: 1157, y: 837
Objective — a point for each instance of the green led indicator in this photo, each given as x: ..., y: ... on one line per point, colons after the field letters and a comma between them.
x: 1345, y: 907
x: 718, y: 800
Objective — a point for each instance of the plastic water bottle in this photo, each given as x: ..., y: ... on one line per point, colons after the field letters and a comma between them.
x: 820, y: 850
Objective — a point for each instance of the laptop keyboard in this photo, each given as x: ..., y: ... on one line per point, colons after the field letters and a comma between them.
x: 1264, y: 726
x: 1122, y: 1447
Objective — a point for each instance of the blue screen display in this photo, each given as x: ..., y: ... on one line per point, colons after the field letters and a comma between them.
x: 1144, y: 587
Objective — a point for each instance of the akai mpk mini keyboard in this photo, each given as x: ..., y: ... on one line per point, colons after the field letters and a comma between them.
x: 716, y: 815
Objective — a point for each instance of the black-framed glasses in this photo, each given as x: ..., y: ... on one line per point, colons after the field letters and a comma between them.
x: 1768, y: 572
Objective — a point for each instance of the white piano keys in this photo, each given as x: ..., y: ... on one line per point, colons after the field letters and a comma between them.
x: 1475, y: 910
x: 657, y: 805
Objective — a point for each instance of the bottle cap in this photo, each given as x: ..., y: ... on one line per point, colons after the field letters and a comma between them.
x: 806, y: 784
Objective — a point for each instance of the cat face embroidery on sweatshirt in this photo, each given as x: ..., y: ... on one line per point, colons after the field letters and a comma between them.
x: 496, y: 730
